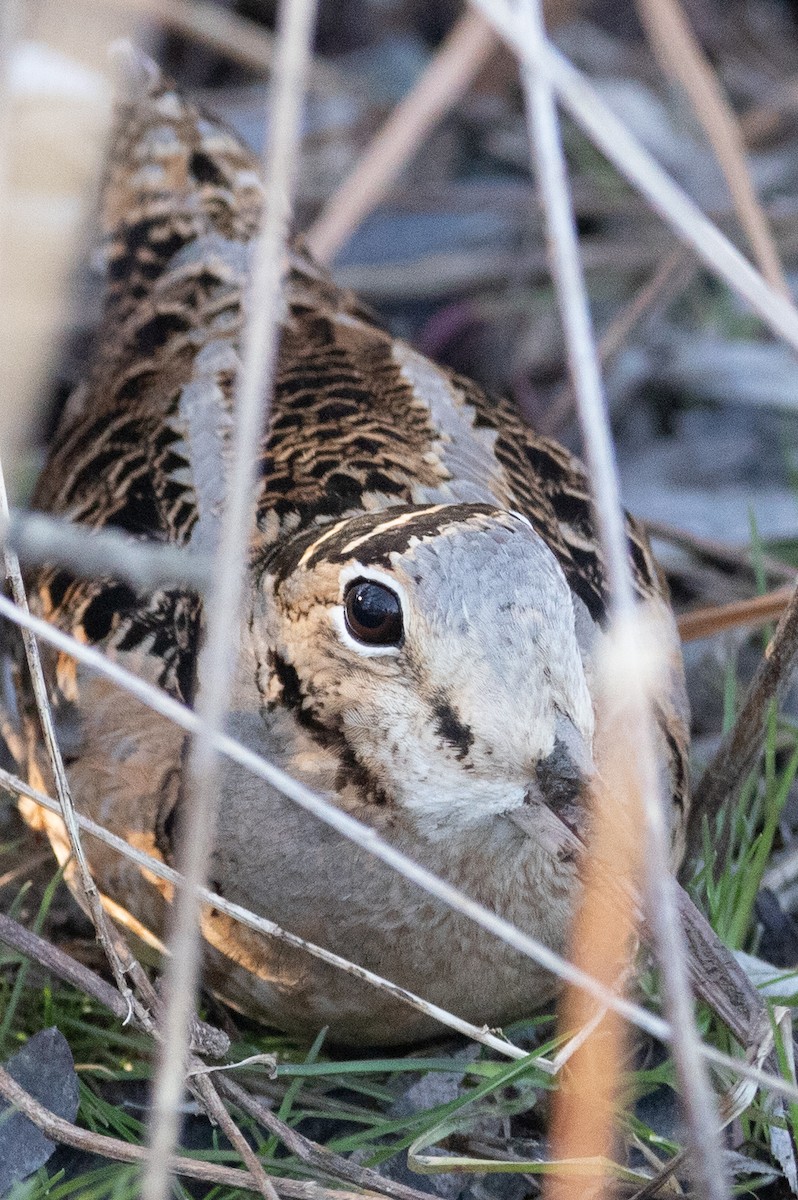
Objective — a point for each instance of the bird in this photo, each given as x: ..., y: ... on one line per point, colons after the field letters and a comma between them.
x: 425, y: 601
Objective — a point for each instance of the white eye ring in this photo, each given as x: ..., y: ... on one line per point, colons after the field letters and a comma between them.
x: 357, y: 571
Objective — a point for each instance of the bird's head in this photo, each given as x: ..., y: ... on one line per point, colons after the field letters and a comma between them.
x: 434, y: 650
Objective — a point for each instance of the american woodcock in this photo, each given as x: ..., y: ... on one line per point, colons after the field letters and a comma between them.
x: 425, y: 599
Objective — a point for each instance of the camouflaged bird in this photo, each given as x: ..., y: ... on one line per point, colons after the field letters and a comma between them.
x: 425, y: 598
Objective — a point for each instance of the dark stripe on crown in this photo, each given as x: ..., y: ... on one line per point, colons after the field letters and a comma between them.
x: 372, y: 538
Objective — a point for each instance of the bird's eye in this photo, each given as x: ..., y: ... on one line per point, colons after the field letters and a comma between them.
x: 373, y: 613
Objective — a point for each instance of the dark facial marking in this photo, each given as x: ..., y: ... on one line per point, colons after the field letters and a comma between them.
x: 451, y: 728
x: 292, y: 695
x: 283, y: 558
x: 351, y: 772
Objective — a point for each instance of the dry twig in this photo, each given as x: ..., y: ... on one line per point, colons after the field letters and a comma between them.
x: 603, y: 942
x: 459, y: 60
x: 62, y: 965
x: 671, y: 954
x: 217, y: 659
x: 717, y: 618
x: 60, y: 1130
x: 112, y: 942
x: 613, y: 139
x: 719, y: 979
x: 762, y: 121
x: 207, y: 1094
x: 54, y: 960
x: 311, y: 1153
x: 720, y: 553
x: 205, y: 1038
x: 675, y: 45
x: 37, y: 538
x: 668, y: 280
x: 741, y: 746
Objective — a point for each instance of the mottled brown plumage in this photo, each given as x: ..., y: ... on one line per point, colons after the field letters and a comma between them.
x: 379, y: 466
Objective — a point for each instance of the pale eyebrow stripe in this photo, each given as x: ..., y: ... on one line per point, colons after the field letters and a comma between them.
x: 394, y: 523
x: 313, y: 547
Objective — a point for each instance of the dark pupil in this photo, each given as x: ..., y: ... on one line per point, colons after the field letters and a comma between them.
x: 373, y: 614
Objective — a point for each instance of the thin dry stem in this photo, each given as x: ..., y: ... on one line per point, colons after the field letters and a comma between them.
x: 566, y: 269
x: 108, y: 936
x: 456, y: 64
x: 225, y: 31
x: 741, y: 746
x: 60, y: 1130
x: 763, y: 120
x: 719, y: 979
x: 206, y: 1093
x: 603, y: 944
x: 311, y: 1153
x: 669, y: 279
x: 679, y: 52
x: 677, y: 268
x: 217, y: 660
x: 205, y: 1038
x: 92, y: 553
x: 614, y: 140
x: 656, y: 1185
x: 734, y: 557
x: 740, y: 614
x: 63, y: 965
x: 669, y: 942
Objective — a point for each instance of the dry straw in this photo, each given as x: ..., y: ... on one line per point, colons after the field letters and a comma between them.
x: 465, y: 52
x: 676, y: 47
x: 641, y: 790
x: 216, y: 665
